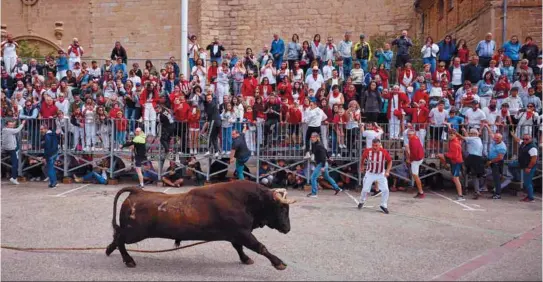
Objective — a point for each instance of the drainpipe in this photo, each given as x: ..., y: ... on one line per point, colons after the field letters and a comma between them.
x: 504, y: 25
x: 184, y: 37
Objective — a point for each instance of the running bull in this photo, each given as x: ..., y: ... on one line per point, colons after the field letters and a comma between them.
x: 221, y: 212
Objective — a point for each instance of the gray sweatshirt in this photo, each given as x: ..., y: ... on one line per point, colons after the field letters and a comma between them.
x: 9, y: 142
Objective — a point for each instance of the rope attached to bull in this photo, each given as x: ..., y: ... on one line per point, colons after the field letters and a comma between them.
x: 96, y: 248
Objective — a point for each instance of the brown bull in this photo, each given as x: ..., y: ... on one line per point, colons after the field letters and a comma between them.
x: 221, y: 212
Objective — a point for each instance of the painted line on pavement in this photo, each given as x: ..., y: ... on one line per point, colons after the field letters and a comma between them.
x: 466, y: 207
x: 355, y: 200
x: 490, y: 256
x: 69, y: 191
x: 166, y: 190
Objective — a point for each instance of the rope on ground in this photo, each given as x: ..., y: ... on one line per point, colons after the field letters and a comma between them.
x: 96, y: 248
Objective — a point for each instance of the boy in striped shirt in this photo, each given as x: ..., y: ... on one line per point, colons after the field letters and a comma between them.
x: 376, y: 164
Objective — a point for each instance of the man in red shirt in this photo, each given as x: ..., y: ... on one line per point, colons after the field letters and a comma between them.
x: 376, y: 163
x: 415, y: 156
x: 48, y: 108
x: 454, y: 157
x: 294, y: 118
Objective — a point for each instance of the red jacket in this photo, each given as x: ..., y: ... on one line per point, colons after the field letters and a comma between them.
x: 416, y: 151
x: 419, y: 116
x: 144, y: 96
x: 402, y: 100
x: 288, y: 91
x: 421, y: 95
x: 463, y: 54
x: 121, y: 124
x: 113, y: 112
x: 455, y: 152
x: 445, y: 71
x: 181, y: 112
x: 249, y: 116
x: 294, y: 115
x: 193, y: 119
x: 248, y: 87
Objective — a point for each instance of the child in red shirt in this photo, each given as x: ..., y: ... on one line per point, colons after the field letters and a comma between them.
x: 194, y: 128
x: 294, y: 118
x: 121, y: 124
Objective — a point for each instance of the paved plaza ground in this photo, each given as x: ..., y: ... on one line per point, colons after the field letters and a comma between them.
x: 433, y: 238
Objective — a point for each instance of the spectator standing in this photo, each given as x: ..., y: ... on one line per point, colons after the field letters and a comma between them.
x: 10, y: 146
x: 455, y: 159
x: 496, y: 155
x: 313, y: 117
x: 213, y: 123
x: 384, y: 57
x: 485, y: 50
x: 447, y: 49
x: 462, y: 51
x: 119, y: 52
x: 429, y: 53
x: 277, y: 50
x: 193, y: 50
x: 511, y: 49
x: 75, y: 51
x: 50, y: 153
x: 526, y: 164
x: 529, y: 51
x: 345, y: 51
x: 240, y: 152
x: 148, y: 100
x: 473, y: 71
x: 362, y: 50
x: 9, y: 49
x: 474, y: 162
x: 402, y: 55
x: 215, y: 49
x: 396, y: 100
x: 294, y: 50
x: 329, y: 51
x: 317, y: 48
x: 457, y: 74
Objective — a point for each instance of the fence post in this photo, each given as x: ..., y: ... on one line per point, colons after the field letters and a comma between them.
x: 360, y: 164
x: 160, y: 157
x: 112, y: 148
x: 19, y: 154
x: 66, y: 144
x: 257, y: 153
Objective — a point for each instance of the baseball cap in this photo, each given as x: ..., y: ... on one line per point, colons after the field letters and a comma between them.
x: 138, y: 84
x: 362, y: 36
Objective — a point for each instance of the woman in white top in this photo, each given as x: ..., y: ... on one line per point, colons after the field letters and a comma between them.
x: 239, y: 111
x: 429, y: 53
x: 316, y: 47
x: 327, y: 70
x: 134, y: 78
x: 357, y: 77
x: 269, y: 72
x: 238, y: 73
x: 335, y: 97
x: 526, y: 121
x: 297, y: 74
x: 9, y: 48
x: 200, y: 71
x: 352, y: 129
x: 223, y: 79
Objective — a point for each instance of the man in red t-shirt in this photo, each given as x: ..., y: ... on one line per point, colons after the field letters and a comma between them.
x: 415, y: 156
x: 376, y: 163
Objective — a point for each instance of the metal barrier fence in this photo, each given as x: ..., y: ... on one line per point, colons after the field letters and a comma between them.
x: 282, y: 147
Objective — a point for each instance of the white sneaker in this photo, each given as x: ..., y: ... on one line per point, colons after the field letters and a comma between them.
x: 46, y: 179
x: 87, y: 148
x: 14, y: 181
x: 307, y: 156
x: 227, y: 153
x: 207, y: 153
x: 217, y: 155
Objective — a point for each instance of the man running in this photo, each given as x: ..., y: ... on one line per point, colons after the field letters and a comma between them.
x: 321, y: 166
x: 415, y: 156
x: 376, y: 159
x: 240, y: 153
x: 140, y: 152
x: 454, y: 157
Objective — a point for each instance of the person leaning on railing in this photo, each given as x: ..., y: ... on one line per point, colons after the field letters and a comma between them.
x: 9, y: 144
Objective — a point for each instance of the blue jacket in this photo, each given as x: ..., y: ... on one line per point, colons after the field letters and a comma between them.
x: 62, y: 64
x: 446, y: 51
x: 118, y: 67
x: 233, y: 61
x: 512, y: 50
x: 50, y: 148
x: 168, y: 86
x: 277, y: 47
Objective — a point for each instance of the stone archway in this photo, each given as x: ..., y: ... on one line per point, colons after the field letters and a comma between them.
x: 43, y: 45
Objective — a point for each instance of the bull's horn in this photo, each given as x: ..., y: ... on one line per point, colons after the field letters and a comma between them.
x: 282, y: 199
x: 281, y: 190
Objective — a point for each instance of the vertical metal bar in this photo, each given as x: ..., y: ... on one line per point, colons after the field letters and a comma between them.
x: 112, y: 145
x: 66, y: 137
x: 20, y: 154
x: 160, y: 156
x: 257, y: 154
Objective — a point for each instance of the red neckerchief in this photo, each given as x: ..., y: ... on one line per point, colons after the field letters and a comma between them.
x: 529, y: 115
x: 75, y: 50
x: 335, y: 95
x: 524, y: 84
x: 330, y: 46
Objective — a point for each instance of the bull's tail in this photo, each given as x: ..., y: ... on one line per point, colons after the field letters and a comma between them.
x: 114, y: 220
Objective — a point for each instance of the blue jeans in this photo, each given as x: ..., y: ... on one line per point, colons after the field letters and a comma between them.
x: 432, y: 62
x: 334, y: 142
x: 120, y: 137
x: 192, y: 63
x: 316, y: 173
x: 237, y: 88
x: 14, y: 163
x: 212, y: 59
x: 94, y: 175
x: 363, y: 65
x: 347, y: 66
x: 226, y: 138
x: 278, y: 61
x: 527, y: 178
x: 240, y: 165
x: 51, y: 173
x: 130, y: 114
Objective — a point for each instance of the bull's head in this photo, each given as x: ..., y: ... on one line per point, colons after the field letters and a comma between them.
x: 278, y: 218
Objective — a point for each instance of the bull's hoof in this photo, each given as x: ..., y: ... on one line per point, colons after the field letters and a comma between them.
x: 281, y: 266
x: 130, y: 264
x: 110, y: 250
x: 248, y: 261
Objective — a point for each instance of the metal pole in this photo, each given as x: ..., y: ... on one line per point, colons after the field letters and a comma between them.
x: 184, y: 36
x: 504, y: 25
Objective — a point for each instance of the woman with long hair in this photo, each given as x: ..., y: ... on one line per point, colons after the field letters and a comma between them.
x: 462, y: 51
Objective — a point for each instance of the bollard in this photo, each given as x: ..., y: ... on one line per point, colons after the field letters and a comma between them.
x: 22, y: 179
x: 112, y: 181
x: 67, y: 180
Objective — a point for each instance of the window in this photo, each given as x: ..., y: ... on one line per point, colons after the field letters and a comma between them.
x: 423, y: 22
x: 440, y: 8
x: 450, y: 4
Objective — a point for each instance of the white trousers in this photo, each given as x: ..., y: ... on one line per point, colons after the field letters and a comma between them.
x: 484, y: 101
x: 71, y: 62
x: 421, y: 134
x: 9, y: 63
x: 394, y: 127
x: 222, y: 90
x: 149, y: 119
x: 78, y: 133
x: 324, y: 135
x: 381, y: 180
x: 61, y: 74
x: 90, y: 134
x: 104, y: 135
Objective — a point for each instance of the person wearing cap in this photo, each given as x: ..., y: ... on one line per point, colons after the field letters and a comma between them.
x: 321, y: 166
x: 474, y: 116
x: 119, y: 52
x: 315, y: 80
x: 215, y: 49
x: 530, y: 51
x: 362, y: 51
x: 344, y: 49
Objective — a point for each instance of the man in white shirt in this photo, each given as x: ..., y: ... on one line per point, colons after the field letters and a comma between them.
x: 371, y: 132
x: 514, y: 101
x: 63, y: 104
x: 474, y: 116
x: 315, y: 80
x: 491, y: 113
x: 95, y: 71
x: 313, y: 117
x: 438, y: 116
x: 345, y: 51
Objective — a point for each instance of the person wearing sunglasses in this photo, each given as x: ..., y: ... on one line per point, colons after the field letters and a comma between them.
x: 526, y: 164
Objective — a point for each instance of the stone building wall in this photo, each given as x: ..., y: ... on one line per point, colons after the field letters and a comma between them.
x: 151, y: 28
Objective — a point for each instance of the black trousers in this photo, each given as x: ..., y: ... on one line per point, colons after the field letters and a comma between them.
x: 165, y: 137
x: 310, y: 130
x: 371, y: 117
x: 214, y: 138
